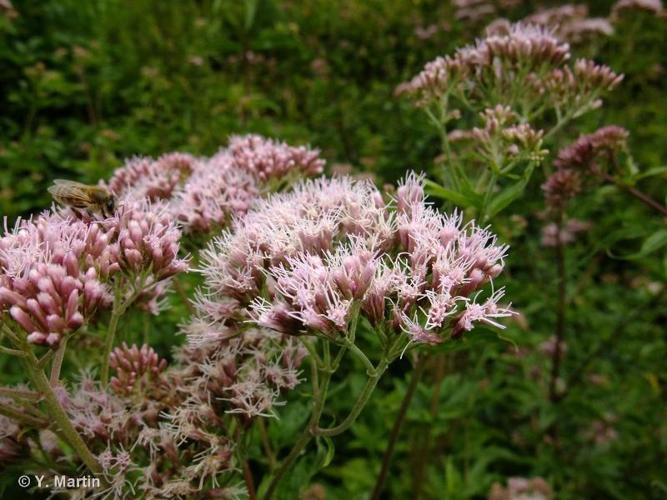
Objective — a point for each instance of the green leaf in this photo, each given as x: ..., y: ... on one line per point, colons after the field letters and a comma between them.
x: 455, y: 197
x: 649, y: 173
x: 653, y: 243
x: 325, y: 451
x: 508, y: 195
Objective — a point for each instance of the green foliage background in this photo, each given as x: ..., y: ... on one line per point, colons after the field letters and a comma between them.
x: 84, y: 85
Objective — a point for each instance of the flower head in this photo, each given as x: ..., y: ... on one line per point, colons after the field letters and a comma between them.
x: 145, y: 178
x: 52, y: 275
x: 137, y: 368
x: 307, y: 261
x: 486, y: 73
x: 587, y: 149
x: 266, y: 159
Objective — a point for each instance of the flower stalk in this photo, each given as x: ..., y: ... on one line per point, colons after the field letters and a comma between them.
x: 57, y: 413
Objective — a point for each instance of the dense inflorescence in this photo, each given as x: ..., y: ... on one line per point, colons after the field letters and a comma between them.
x: 57, y: 270
x: 524, y: 66
x: 568, y: 22
x: 205, y: 193
x: 302, y: 262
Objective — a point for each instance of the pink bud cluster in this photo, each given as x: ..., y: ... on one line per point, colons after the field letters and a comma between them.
x: 303, y: 262
x: 622, y: 7
x: 137, y: 368
x: 57, y: 270
x: 560, y: 187
x: 587, y: 149
x: 581, y: 157
x: 487, y: 71
x: 553, y: 235
x: 147, y: 239
x: 267, y: 159
x: 504, y: 135
x: 205, y: 193
x: 495, y: 57
x: 52, y: 275
x: 569, y: 22
x: 145, y: 178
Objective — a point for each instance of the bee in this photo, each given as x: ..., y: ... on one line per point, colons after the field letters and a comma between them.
x: 83, y: 196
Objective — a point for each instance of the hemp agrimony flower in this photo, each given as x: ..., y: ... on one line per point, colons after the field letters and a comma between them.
x: 203, y: 194
x: 301, y: 262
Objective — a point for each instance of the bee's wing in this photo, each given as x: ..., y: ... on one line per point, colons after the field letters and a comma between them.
x: 71, y: 193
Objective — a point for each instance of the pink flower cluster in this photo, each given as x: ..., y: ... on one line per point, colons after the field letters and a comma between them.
x: 58, y: 270
x: 569, y: 22
x: 137, y: 368
x: 248, y: 371
x: 552, y: 235
x: 587, y: 149
x: 144, y: 178
x: 97, y: 414
x: 581, y: 157
x: 205, y: 193
x: 301, y: 262
x: 622, y: 7
x: 481, y: 73
x: 268, y: 159
x: 527, y: 46
x: 52, y: 275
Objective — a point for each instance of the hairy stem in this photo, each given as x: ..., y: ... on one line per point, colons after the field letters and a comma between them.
x: 11, y: 392
x: 108, y: 346
x: 359, y: 404
x: 396, y: 428
x: 25, y: 418
x: 57, y: 363
x: 59, y: 416
x: 119, y: 308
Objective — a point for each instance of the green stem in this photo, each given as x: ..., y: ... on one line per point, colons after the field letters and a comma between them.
x: 12, y: 352
x: 370, y: 369
x: 322, y: 370
x: 266, y: 443
x: 58, y: 361
x: 59, y: 416
x: 119, y: 308
x: 358, y: 405
x: 417, y: 372
x: 14, y: 414
x: 11, y: 392
x: 319, y: 398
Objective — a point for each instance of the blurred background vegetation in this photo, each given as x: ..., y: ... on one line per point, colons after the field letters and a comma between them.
x: 84, y: 85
